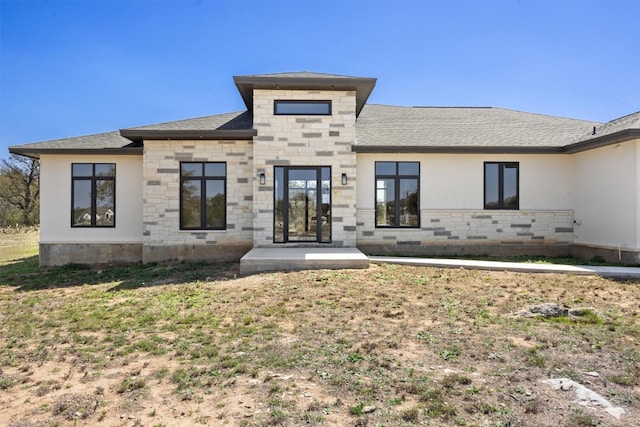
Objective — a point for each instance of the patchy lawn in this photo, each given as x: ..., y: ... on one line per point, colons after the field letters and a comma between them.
x: 192, y: 344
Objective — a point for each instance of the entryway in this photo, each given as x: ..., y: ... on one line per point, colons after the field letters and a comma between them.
x: 302, y: 201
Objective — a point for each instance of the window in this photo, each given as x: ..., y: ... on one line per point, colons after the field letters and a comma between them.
x: 93, y: 195
x: 308, y: 108
x: 397, y: 194
x: 501, y: 185
x: 203, y: 189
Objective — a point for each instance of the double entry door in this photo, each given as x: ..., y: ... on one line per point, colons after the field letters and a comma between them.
x: 302, y: 204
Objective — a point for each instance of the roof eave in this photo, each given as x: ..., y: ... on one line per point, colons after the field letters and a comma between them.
x: 35, y: 153
x: 363, y: 86
x: 138, y: 135
x: 602, y: 141
x: 455, y: 150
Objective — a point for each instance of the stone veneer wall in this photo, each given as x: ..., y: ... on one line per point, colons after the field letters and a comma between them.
x: 162, y: 237
x: 305, y: 141
x: 450, y: 232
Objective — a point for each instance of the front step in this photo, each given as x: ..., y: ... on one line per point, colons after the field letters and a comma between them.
x: 259, y: 260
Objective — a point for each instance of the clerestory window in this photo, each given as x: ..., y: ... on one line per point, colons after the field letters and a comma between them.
x: 301, y: 108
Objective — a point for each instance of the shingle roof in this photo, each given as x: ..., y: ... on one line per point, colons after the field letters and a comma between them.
x: 383, y: 128
x: 110, y: 142
x: 457, y: 127
x: 628, y: 122
x: 114, y: 141
x: 239, y: 120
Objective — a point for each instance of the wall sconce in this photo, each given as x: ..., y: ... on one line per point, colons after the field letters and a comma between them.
x: 263, y: 178
x: 344, y: 179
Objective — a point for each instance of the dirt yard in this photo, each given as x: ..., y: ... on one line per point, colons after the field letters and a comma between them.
x: 194, y: 344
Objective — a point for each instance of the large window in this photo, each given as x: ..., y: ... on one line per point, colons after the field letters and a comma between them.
x: 501, y: 185
x: 203, y: 189
x: 306, y: 108
x: 397, y: 194
x: 93, y: 195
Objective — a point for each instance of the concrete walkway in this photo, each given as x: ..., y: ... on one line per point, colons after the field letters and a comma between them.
x: 609, y: 272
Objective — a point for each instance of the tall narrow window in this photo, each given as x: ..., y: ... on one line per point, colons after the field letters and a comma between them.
x: 501, y: 185
x: 203, y: 202
x: 93, y: 195
x: 397, y: 194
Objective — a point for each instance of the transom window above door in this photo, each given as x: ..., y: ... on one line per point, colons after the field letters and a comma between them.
x: 301, y: 108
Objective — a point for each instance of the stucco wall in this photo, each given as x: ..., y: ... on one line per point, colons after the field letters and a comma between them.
x: 451, y: 201
x: 162, y: 236
x: 62, y: 244
x: 55, y: 202
x: 305, y: 141
x: 456, y: 181
x: 605, y: 196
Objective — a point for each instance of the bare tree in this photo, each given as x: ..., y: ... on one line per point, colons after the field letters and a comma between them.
x: 20, y: 187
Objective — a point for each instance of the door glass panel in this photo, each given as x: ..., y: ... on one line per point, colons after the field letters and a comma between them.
x: 303, y: 197
x: 278, y: 214
x: 302, y: 204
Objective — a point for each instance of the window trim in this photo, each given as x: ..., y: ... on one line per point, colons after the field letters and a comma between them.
x: 277, y: 102
x: 397, y: 177
x: 93, y: 208
x: 203, y: 198
x: 501, y: 167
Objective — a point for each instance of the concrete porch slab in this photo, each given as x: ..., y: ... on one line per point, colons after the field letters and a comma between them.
x: 259, y: 260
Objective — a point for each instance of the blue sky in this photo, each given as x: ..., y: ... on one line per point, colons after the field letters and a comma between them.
x: 71, y: 68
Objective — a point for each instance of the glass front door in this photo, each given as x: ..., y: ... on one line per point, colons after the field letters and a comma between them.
x: 302, y: 204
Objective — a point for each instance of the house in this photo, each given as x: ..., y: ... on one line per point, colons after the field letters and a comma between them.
x: 310, y: 164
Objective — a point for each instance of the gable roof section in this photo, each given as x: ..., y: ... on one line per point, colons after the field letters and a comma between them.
x: 305, y: 80
x: 383, y: 128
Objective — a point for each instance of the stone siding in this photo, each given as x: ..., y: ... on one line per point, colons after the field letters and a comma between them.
x: 450, y: 232
x: 162, y: 237
x: 292, y: 140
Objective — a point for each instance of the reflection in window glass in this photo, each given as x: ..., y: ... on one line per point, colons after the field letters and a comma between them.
x: 203, y: 203
x: 312, y: 108
x: 397, y: 194
x: 93, y: 194
x: 501, y: 185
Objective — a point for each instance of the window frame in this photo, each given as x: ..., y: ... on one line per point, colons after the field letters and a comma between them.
x: 93, y: 179
x: 397, y: 177
x: 278, y: 102
x: 501, y: 168
x: 202, y: 179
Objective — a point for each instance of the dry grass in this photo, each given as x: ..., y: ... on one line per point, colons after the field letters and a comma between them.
x: 192, y: 344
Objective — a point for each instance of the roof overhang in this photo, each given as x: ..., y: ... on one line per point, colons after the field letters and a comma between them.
x: 602, y: 141
x: 139, y: 135
x: 455, y: 150
x: 363, y: 86
x: 35, y: 153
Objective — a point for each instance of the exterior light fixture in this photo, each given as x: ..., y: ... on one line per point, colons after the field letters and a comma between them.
x: 263, y: 178
x: 344, y: 179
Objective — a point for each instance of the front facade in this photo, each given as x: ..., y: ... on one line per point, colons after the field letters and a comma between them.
x: 311, y: 164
